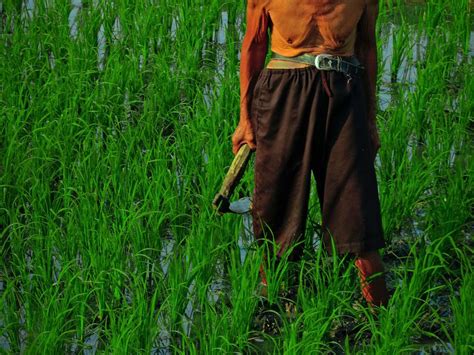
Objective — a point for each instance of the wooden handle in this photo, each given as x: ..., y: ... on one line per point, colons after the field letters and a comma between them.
x: 232, y: 178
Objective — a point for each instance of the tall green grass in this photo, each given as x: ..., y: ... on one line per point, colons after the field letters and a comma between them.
x: 109, y: 153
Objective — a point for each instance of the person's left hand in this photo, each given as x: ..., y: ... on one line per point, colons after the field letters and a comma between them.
x: 243, y: 135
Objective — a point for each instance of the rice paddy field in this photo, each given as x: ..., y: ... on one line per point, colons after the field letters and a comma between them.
x: 116, y: 119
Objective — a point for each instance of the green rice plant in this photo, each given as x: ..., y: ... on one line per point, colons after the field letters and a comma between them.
x: 401, y: 48
x: 325, y: 288
x: 462, y: 26
x: 275, y: 267
x: 243, y: 298
x: 399, y: 324
x: 114, y: 141
x: 462, y: 307
x: 404, y: 177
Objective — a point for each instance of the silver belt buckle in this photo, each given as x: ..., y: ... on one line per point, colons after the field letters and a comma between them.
x: 319, y: 64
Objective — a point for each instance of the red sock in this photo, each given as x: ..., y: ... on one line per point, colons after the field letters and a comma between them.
x: 374, y: 289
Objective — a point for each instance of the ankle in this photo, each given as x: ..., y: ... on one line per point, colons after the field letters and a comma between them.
x: 371, y: 274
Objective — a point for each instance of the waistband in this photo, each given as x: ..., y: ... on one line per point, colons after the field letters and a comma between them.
x: 347, y: 65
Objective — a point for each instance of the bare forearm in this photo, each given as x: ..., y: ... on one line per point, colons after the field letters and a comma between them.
x: 252, y: 57
x: 366, y: 51
x: 252, y: 62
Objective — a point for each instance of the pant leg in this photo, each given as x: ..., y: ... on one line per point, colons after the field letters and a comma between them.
x: 345, y: 172
x: 284, y: 114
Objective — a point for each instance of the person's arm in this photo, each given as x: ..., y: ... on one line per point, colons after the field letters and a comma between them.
x: 366, y: 52
x: 252, y: 60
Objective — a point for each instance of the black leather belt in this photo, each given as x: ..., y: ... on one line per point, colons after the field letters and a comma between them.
x: 346, y: 65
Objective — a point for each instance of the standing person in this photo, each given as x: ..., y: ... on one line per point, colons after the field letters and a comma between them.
x: 312, y: 110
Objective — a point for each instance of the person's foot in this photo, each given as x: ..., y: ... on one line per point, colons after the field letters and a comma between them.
x: 371, y: 274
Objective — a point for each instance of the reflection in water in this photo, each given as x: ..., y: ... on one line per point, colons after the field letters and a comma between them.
x: 163, y: 343
x: 167, y: 245
x: 406, y: 70
x: 76, y: 7
x: 91, y: 343
x: 28, y: 8
x: 101, y: 43
x: 217, y: 286
x: 246, y: 237
x: 117, y: 35
x: 223, y: 26
x: 221, y: 40
x: 188, y: 315
x: 471, y: 45
x: 174, y: 28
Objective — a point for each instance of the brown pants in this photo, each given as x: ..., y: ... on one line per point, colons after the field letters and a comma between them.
x: 306, y: 121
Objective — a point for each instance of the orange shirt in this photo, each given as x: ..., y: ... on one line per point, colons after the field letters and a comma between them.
x: 312, y: 26
x: 339, y: 27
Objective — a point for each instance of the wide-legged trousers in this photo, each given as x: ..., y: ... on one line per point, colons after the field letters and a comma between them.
x: 309, y: 122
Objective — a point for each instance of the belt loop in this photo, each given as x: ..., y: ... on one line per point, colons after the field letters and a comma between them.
x: 325, y: 83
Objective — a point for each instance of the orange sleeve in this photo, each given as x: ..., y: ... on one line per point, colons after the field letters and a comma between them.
x: 253, y: 53
x: 366, y: 52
